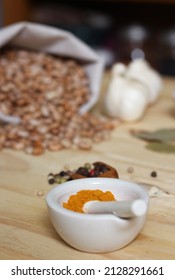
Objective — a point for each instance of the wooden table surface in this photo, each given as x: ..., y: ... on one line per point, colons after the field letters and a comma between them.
x: 25, y: 228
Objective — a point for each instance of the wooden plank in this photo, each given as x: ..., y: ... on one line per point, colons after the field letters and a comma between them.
x: 25, y: 228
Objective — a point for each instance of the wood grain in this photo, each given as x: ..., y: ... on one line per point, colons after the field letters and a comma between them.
x: 25, y: 229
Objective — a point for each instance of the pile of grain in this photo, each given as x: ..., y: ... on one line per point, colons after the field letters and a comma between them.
x: 46, y: 92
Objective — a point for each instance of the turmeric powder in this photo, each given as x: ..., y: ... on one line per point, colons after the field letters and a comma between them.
x: 76, y: 202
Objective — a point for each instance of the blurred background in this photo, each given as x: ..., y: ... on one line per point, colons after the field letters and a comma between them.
x: 117, y: 30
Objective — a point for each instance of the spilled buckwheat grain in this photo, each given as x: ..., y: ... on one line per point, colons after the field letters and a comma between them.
x: 46, y: 93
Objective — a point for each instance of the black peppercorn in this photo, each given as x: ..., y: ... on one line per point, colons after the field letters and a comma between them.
x: 82, y: 171
x: 51, y: 181
x: 154, y: 174
x: 63, y: 173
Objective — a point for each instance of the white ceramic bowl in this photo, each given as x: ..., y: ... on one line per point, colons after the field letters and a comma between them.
x: 95, y: 233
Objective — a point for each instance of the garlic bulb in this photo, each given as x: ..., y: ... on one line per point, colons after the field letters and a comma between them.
x: 113, y: 96
x: 126, y: 99
x: 140, y: 70
x: 134, y: 101
x: 131, y: 90
x: 119, y: 69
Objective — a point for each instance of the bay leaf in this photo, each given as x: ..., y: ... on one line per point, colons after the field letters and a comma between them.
x: 160, y: 135
x: 161, y: 147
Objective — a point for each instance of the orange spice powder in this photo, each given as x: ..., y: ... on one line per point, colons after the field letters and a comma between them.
x: 76, y: 201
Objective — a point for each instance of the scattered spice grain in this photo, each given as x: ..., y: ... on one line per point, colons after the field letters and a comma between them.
x: 40, y: 193
x: 130, y: 169
x: 153, y: 174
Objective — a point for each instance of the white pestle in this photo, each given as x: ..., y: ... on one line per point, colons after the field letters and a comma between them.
x: 122, y: 209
